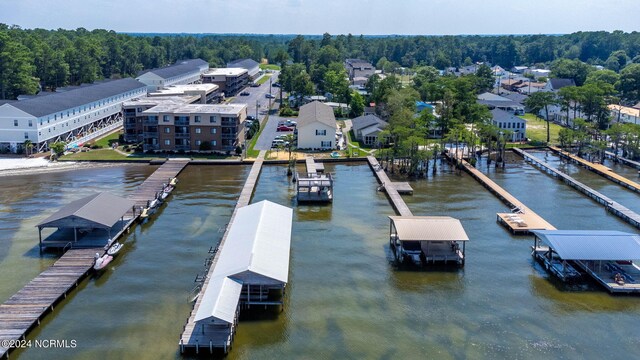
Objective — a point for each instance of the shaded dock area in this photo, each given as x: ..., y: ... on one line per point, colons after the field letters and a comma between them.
x: 390, y: 187
x: 25, y: 309
x: 612, y: 206
x: 315, y: 186
x: 522, y: 219
x: 218, y: 337
x: 598, y: 169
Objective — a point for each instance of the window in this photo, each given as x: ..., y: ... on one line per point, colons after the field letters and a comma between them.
x: 30, y: 123
x: 167, y: 142
x: 197, y: 118
x: 26, y: 135
x: 325, y: 144
x: 15, y: 122
x: 212, y: 119
x: 214, y: 143
x: 165, y: 118
x: 321, y: 132
x: 198, y: 142
x: 167, y: 130
x: 214, y: 130
x: 198, y: 131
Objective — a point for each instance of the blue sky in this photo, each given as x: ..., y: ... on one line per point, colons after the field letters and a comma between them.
x: 425, y: 17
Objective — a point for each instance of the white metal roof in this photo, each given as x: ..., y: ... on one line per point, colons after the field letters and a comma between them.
x: 591, y: 244
x: 428, y: 228
x: 220, y: 300
x: 258, y: 242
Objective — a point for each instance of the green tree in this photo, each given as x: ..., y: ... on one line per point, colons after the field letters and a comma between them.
x: 356, y: 104
x: 16, y: 69
x: 571, y: 69
x: 484, y: 78
x: 630, y: 83
x: 606, y: 76
x: 538, y: 101
x: 58, y: 147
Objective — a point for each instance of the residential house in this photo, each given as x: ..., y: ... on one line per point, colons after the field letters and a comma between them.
x: 421, y: 105
x: 73, y: 114
x: 508, y: 122
x: 519, y: 69
x: 625, y: 114
x: 497, y: 70
x: 316, y: 127
x: 252, y: 67
x: 194, y: 127
x: 538, y: 72
x: 230, y: 81
x: 367, y: 129
x: 556, y: 84
x: 181, y: 73
x: 358, y: 68
x: 494, y: 101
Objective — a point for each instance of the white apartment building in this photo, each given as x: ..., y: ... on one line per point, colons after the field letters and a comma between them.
x: 181, y: 73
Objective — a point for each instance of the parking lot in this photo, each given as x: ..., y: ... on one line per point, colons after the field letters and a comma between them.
x: 269, y: 133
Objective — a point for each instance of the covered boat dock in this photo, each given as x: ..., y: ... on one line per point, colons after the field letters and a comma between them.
x: 90, y: 222
x: 428, y: 239
x: 605, y: 255
x: 252, y: 270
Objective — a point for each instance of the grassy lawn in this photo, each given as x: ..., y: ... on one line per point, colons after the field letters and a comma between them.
x: 100, y: 154
x: 251, y: 153
x: 107, y: 140
x: 537, y: 129
x: 269, y: 67
x: 263, y: 79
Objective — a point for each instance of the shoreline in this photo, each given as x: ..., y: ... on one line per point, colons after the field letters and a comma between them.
x: 51, y: 167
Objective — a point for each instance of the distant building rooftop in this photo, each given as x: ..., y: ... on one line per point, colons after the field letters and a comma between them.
x: 225, y: 72
x: 230, y: 109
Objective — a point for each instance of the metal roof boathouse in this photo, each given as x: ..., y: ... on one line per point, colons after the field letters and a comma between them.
x: 607, y: 256
x: 88, y: 222
x: 428, y: 239
x: 252, y: 269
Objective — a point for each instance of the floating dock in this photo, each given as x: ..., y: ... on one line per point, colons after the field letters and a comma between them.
x: 522, y: 219
x: 598, y: 169
x: 210, y: 338
x: 25, y: 309
x: 389, y: 187
x: 613, y: 207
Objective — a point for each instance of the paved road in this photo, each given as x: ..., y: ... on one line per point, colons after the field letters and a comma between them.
x: 257, y: 97
x: 269, y: 133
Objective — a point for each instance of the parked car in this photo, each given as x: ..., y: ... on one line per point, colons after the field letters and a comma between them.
x: 245, y: 93
x: 255, y: 85
x: 284, y: 128
x: 290, y: 123
x: 269, y: 96
x: 277, y: 142
x: 276, y: 84
x: 251, y: 117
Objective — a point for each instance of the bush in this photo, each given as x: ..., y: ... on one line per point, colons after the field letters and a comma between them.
x: 537, y: 143
x: 287, y: 111
x: 96, y: 146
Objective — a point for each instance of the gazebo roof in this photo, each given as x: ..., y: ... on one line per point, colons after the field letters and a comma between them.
x: 100, y: 210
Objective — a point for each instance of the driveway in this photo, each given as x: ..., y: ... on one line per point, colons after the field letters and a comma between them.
x: 269, y: 133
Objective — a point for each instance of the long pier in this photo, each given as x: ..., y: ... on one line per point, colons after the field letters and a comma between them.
x: 390, y: 187
x: 206, y: 339
x: 24, y: 310
x: 598, y: 169
x: 612, y: 206
x: 628, y: 162
x: 522, y: 219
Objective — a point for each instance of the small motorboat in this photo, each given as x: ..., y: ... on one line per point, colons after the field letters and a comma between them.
x: 173, y: 181
x: 102, y: 261
x: 114, y: 249
x: 166, y: 190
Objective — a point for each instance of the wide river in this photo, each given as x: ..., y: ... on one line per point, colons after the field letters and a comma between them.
x: 345, y: 299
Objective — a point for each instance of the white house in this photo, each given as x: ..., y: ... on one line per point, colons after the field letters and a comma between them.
x: 74, y: 114
x: 316, y: 127
x: 625, y: 114
x: 509, y: 122
x: 181, y: 73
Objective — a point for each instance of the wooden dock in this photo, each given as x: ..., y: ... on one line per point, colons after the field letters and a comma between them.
x: 613, y: 207
x: 598, y: 169
x: 153, y: 184
x: 628, y: 162
x: 390, y: 188
x: 25, y: 309
x: 312, y: 166
x: 211, y: 338
x: 522, y: 219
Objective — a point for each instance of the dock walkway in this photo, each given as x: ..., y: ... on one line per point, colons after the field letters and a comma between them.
x: 222, y: 338
x: 24, y: 310
x: 312, y: 166
x: 615, y: 208
x: 598, y: 169
x: 522, y: 219
x: 628, y: 162
x: 389, y: 187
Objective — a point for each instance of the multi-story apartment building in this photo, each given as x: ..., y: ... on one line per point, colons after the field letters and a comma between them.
x: 252, y: 67
x: 74, y: 114
x: 179, y: 127
x: 207, y: 93
x: 133, y: 113
x: 230, y: 80
x: 181, y: 73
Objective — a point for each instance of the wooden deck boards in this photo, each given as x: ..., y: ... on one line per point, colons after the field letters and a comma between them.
x: 532, y: 220
x: 24, y: 309
x: 598, y: 169
x: 190, y: 338
x: 389, y: 186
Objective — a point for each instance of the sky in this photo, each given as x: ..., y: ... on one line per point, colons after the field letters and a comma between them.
x: 368, y: 17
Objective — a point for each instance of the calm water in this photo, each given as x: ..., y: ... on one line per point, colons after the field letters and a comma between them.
x: 345, y: 298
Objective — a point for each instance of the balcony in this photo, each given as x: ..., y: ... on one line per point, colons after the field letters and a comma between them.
x: 146, y: 121
x: 150, y: 134
x: 229, y: 136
